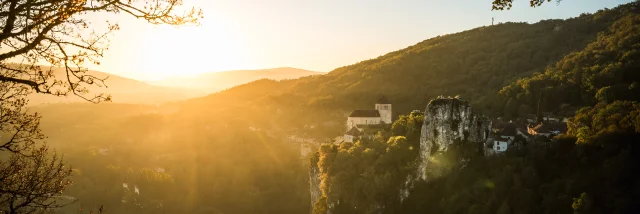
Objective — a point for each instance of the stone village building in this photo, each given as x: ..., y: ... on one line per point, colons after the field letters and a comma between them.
x: 352, y: 135
x: 359, y: 120
x: 505, y: 138
x: 362, y: 118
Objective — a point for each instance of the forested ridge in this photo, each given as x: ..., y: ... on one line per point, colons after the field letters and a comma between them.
x: 475, y: 64
x: 604, y: 71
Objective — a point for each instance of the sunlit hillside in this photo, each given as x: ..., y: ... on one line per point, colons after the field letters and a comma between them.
x: 475, y: 64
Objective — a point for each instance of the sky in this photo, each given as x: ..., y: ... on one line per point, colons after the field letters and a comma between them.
x: 318, y: 35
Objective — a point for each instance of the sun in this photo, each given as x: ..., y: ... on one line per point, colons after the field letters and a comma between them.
x: 171, y: 51
x: 154, y: 52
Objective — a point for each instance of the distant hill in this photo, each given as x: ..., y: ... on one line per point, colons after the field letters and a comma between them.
x: 122, y: 90
x: 216, y: 81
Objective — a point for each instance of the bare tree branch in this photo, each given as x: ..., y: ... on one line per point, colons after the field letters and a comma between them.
x: 31, y: 184
x: 507, y: 4
x: 55, y: 32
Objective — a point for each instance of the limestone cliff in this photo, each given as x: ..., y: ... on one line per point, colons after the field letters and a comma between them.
x: 314, y: 181
x: 448, y: 122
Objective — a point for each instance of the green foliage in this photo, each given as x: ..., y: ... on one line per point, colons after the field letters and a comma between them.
x: 409, y: 126
x: 491, y: 57
x: 618, y: 117
x: 320, y: 207
x: 369, y: 172
x: 604, y: 71
x: 595, y: 155
x: 539, y: 178
x: 582, y: 204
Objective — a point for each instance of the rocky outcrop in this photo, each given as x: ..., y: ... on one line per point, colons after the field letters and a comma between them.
x: 447, y: 122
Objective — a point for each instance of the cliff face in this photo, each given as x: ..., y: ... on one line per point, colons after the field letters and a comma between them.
x: 314, y: 182
x: 448, y: 121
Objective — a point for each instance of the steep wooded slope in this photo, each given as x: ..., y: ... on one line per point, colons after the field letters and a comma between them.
x: 608, y: 69
x: 475, y: 64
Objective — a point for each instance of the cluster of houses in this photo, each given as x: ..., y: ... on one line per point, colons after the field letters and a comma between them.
x: 528, y: 128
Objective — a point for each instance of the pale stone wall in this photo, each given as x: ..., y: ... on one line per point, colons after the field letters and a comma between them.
x: 353, y: 121
x: 348, y: 138
x: 385, y: 112
x: 500, y: 146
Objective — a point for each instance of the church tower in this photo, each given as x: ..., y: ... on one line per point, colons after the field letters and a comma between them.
x: 384, y: 107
